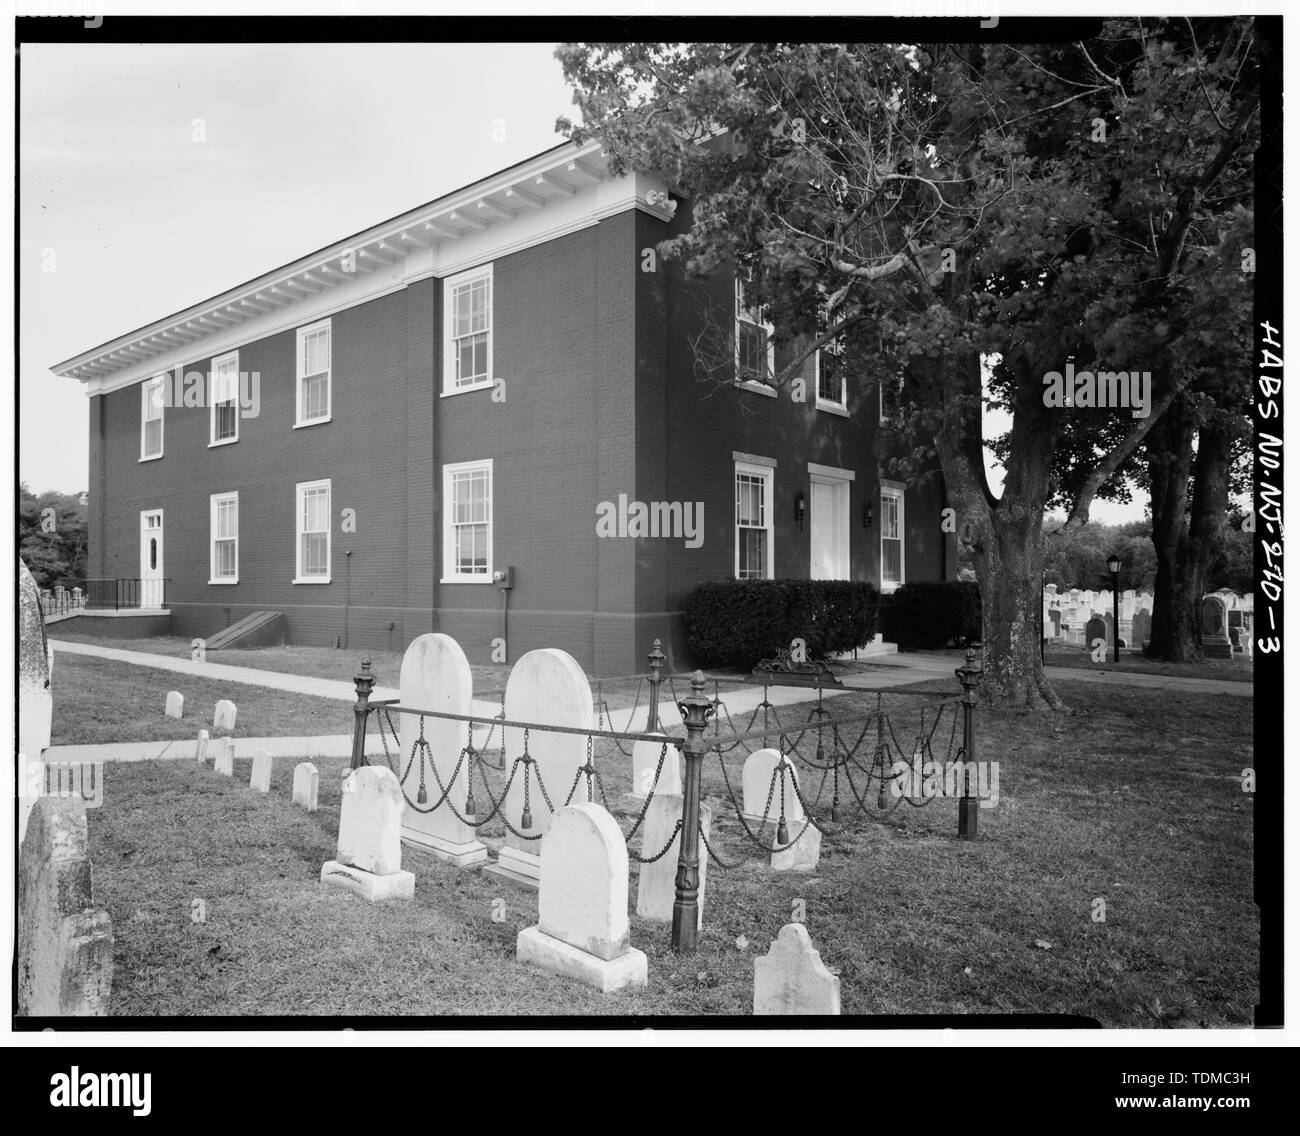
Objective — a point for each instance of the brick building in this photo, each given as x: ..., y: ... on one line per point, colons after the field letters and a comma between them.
x: 492, y: 383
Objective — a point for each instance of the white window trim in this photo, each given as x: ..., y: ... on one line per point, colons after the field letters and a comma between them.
x: 898, y: 490
x: 768, y: 474
x: 449, y: 574
x: 213, y: 578
x: 299, y: 490
x: 299, y: 421
x: 744, y: 315
x: 212, y: 400
x: 842, y: 407
x: 145, y: 387
x: 449, y: 283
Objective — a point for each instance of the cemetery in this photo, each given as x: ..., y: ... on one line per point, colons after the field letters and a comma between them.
x: 662, y: 843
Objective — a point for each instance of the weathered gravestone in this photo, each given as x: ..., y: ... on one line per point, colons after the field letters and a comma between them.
x: 801, y: 853
x: 306, y: 785
x: 765, y: 772
x: 223, y: 715
x: 545, y: 686
x: 35, y: 696
x: 260, y: 778
x: 436, y: 676
x: 1141, y: 627
x: 582, y: 924
x: 369, y: 857
x: 65, y: 946
x: 175, y: 707
x: 201, y: 746
x: 656, y: 889
x: 199, y: 650
x: 223, y: 761
x: 648, y: 776
x: 791, y: 979
x: 1096, y: 629
x: 1214, y: 627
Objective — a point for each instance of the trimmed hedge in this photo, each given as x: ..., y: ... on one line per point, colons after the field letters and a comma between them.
x: 741, y: 622
x: 932, y: 614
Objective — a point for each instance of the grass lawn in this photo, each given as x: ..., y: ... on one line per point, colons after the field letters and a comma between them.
x: 1137, y: 802
x: 1236, y: 669
x: 101, y: 701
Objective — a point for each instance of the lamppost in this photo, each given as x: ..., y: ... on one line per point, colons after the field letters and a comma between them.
x: 1113, y: 563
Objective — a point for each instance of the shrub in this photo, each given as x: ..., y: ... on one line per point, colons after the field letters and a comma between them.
x: 932, y: 614
x: 741, y: 622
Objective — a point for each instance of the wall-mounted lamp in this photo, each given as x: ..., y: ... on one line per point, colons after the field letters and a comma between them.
x: 867, y: 515
x: 800, y: 507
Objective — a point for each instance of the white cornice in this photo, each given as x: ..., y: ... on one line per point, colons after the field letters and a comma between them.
x: 555, y: 193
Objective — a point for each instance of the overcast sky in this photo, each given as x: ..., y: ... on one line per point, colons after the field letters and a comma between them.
x: 302, y: 145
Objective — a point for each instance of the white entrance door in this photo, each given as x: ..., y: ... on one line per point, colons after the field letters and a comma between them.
x: 151, y: 558
x: 830, y: 530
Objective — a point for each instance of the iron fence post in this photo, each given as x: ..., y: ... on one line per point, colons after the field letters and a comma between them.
x: 656, y: 658
x: 968, y: 808
x: 365, y: 682
x: 696, y: 711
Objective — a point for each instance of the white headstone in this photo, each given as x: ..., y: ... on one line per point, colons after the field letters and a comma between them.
x: 656, y: 889
x: 548, y: 687
x: 260, y: 779
x: 175, y: 704
x: 201, y: 746
x: 436, y: 676
x: 306, y: 785
x: 223, y: 716
x: 791, y: 979
x: 757, y: 777
x: 803, y: 851
x: 369, y: 858
x: 35, y: 696
x: 65, y: 946
x: 199, y: 650
x: 223, y: 750
x: 645, y: 763
x: 582, y: 925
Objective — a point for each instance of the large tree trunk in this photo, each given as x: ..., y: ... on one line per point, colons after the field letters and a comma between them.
x: 1008, y: 538
x: 1010, y: 570
x: 1186, y: 549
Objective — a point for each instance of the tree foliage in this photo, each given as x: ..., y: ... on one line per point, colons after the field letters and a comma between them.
x: 932, y: 206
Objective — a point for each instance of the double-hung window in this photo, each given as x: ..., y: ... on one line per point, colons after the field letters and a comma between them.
x: 313, y: 533
x: 153, y: 394
x: 832, y: 390
x: 224, y: 530
x: 314, y: 370
x: 755, y: 345
x: 467, y: 522
x: 892, y: 527
x: 753, y: 521
x: 467, y: 330
x: 891, y: 390
x: 225, y: 399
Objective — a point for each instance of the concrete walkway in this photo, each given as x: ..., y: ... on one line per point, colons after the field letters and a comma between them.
x: 899, y: 670
x: 336, y: 745
x: 884, y: 672
x: 268, y: 680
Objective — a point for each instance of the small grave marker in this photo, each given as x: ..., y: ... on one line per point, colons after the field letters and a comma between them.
x: 175, y: 707
x: 306, y: 785
x: 791, y: 979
